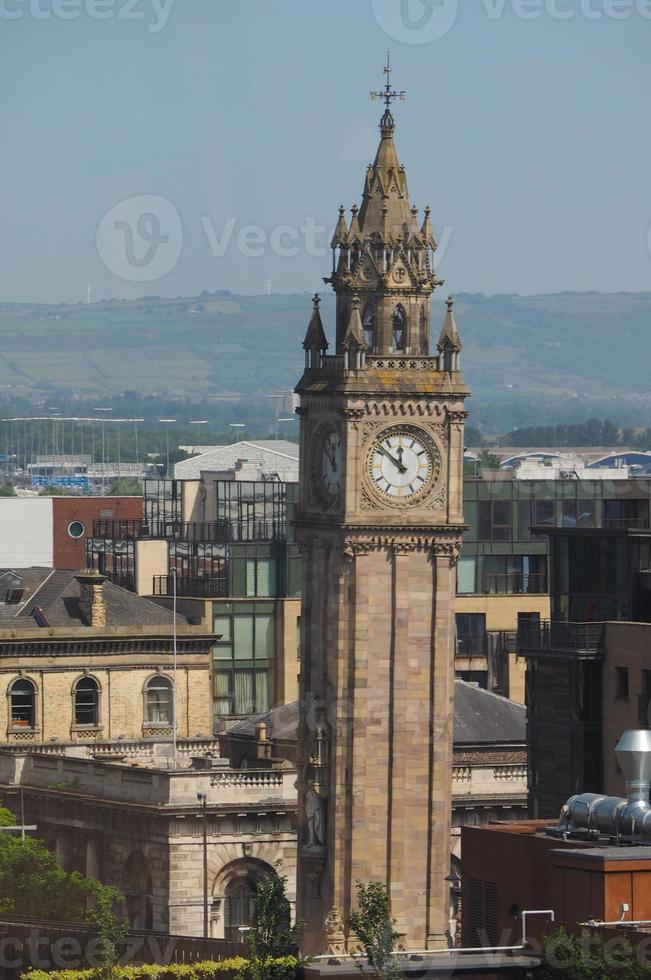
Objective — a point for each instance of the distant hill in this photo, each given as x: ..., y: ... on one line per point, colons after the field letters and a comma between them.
x: 587, y: 350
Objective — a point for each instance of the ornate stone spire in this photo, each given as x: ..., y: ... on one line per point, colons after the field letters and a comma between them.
x: 385, y: 259
x: 340, y: 236
x: 315, y: 342
x: 449, y: 345
x: 355, y: 331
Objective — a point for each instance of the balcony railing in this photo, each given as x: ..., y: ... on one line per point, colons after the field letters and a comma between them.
x: 215, y: 532
x: 126, y: 580
x: 514, y: 583
x: 202, y: 587
x: 481, y: 644
x: 581, y: 639
x: 622, y: 523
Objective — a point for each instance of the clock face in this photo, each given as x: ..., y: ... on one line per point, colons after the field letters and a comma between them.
x: 331, y: 464
x: 401, y: 464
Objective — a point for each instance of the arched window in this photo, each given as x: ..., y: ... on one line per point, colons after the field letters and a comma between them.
x: 86, y: 701
x: 238, y: 909
x: 158, y: 700
x: 424, y: 332
x: 22, y: 697
x: 368, y: 323
x: 399, y: 320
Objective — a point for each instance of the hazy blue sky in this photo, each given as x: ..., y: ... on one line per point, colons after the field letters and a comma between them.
x: 529, y: 135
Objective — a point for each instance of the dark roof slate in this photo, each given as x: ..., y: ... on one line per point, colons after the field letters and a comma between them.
x: 56, y: 593
x: 480, y: 717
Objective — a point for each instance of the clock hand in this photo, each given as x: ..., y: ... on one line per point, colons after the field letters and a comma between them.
x: 396, y: 462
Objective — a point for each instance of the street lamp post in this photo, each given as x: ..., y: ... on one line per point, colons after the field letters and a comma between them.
x: 198, y: 422
x: 204, y: 822
x: 167, y: 422
x: 286, y: 420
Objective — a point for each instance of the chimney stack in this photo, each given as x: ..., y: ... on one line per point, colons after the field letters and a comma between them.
x: 91, y: 597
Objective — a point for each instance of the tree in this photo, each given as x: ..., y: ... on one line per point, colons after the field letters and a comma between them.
x: 110, y: 928
x: 489, y: 461
x: 588, y: 957
x: 7, y: 489
x: 271, y: 934
x: 126, y: 487
x: 49, y: 490
x: 32, y: 882
x: 375, y: 928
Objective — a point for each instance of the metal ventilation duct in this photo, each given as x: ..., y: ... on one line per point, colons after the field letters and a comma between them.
x: 613, y: 815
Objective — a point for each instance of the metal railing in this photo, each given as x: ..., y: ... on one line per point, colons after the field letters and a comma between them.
x: 480, y: 644
x: 514, y: 583
x: 195, y: 587
x: 561, y: 637
x: 215, y: 532
x: 622, y: 523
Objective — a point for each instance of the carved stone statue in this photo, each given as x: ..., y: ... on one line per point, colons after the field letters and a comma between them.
x: 315, y: 820
x: 334, y: 930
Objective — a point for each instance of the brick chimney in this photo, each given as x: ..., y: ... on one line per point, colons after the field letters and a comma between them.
x: 91, y: 597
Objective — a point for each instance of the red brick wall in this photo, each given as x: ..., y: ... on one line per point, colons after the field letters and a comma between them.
x: 71, y: 552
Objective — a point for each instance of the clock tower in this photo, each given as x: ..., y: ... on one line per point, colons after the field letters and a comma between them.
x: 379, y: 522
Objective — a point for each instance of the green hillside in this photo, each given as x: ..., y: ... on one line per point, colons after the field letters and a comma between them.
x: 581, y: 349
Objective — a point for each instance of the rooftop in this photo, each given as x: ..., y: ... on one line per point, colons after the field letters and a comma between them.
x: 56, y: 593
x: 269, y: 455
x: 480, y: 717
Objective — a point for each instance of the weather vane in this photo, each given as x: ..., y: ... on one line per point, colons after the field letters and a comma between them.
x: 389, y: 94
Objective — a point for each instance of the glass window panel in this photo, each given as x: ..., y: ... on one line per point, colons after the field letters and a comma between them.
x: 470, y: 517
x: 22, y: 704
x: 262, y: 700
x: 266, y: 577
x: 484, y: 520
x: 222, y: 651
x: 238, y: 577
x: 466, y: 572
x: 264, y: 637
x: 223, y: 698
x: 86, y: 702
x: 243, y: 631
x: 223, y: 628
x: 544, y: 512
x: 243, y: 691
x: 159, y: 701
x: 524, y: 520
x: 251, y: 585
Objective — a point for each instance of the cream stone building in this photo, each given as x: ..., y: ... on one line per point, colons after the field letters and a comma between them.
x: 85, y: 661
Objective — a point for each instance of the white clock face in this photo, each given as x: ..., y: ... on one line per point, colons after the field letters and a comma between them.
x: 331, y: 464
x: 400, y: 464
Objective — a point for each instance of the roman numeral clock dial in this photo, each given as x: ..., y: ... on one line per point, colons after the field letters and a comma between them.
x: 331, y: 464
x: 402, y: 464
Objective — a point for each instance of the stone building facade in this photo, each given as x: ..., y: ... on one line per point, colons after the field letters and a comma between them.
x: 141, y: 829
x: 84, y: 661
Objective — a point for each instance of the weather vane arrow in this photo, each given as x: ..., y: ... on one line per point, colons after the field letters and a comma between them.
x: 388, y: 94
